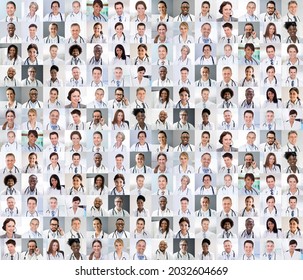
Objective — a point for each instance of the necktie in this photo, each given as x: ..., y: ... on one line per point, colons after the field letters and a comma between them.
x: 205, y: 41
x: 271, y: 192
x: 118, y: 83
x: 227, y: 215
x: 295, y: 149
x: 10, y: 172
x: 143, y: 105
x: 76, y: 169
x: 269, y: 126
x: 11, y: 19
x: 204, y: 105
x: 228, y: 170
x: 53, y: 213
x: 78, y: 235
x: 76, y: 83
x: 140, y: 40
x: 98, y: 149
x: 228, y: 40
x: 77, y: 127
x: 162, y: 62
x: 270, y: 18
x: 226, y: 85
x: 295, y: 18
x: 120, y: 18
x: 53, y: 62
x: 228, y: 256
x: 55, y: 149
x: 292, y: 213
x: 12, y: 257
x: 271, y: 62
x: 269, y: 256
x: 205, y: 170
x: 140, y: 257
x: 163, y: 193
x: 292, y: 83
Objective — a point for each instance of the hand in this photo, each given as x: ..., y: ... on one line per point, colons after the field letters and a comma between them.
x: 37, y: 251
x: 60, y: 230
x: 102, y: 122
x: 125, y: 100
x: 254, y: 164
x: 278, y: 144
x: 254, y: 34
x: 277, y: 13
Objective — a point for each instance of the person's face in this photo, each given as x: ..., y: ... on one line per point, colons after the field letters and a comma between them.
x: 140, y: 204
x: 119, y: 138
x: 161, y: 138
x: 75, y: 52
x: 76, y: 118
x: 207, y: 181
x: 99, y: 94
x: 292, y: 161
x: 10, y: 183
x: 32, y: 9
x: 119, y: 9
x: 270, y: 225
x: 10, y: 227
x: 31, y: 73
x: 161, y: 8
x: 53, y: 95
x: 11, y: 137
x: 292, y: 138
x: 11, y: 72
x: 34, y: 224
x: 271, y: 29
x: 248, y: 118
x: 270, y: 246
x: 292, y: 8
x: 248, y: 182
x: 270, y: 8
x: 53, y: 203
x: 227, y: 181
x: 119, y: 52
x: 184, y: 52
x: 120, y: 116
x: 204, y: 203
x: 248, y: 160
x: 75, y: 31
x: 162, y: 116
x: 226, y: 205
x: 162, y: 55
x: 292, y: 247
x: 270, y: 53
x: 75, y: 97
x: 98, y: 51
x: 270, y: 138
x: 228, y: 33
x: 97, y: 29
x: 292, y: 203
x: 33, y: 95
x: 184, y: 182
x: 162, y: 246
x: 184, y: 139
x: 76, y: 7
x: 226, y: 11
x: 270, y: 182
x: 97, y: 225
x: 32, y: 159
x: 76, y: 225
x: 249, y: 224
x: 12, y: 53
x: 76, y: 160
x: 184, y: 97
x: 205, y: 139
x: 119, y: 185
x: 163, y: 203
x: 96, y: 118
x: 183, y: 160
x: 118, y: 74
x: 53, y: 30
x: 161, y: 160
x: 76, y: 139
x: 292, y: 53
x: 140, y: 225
x: 141, y: 54
x: 206, y: 51
x: 10, y: 117
x: 248, y: 52
x: 184, y: 75
x: 97, y: 8
x: 162, y: 183
x: 75, y: 247
x: 292, y: 117
x: 140, y: 182
x: 183, y: 29
x: 227, y: 226
x: 11, y: 30
x: 97, y: 159
x: 54, y: 159
x: 183, y: 247
x: 97, y: 247
x: 54, y: 138
x: 205, y: 30
x: 53, y: 52
x: 227, y: 140
x: 205, y: 225
x: 32, y: 31
x: 293, y: 225
x: 98, y: 201
x: 227, y: 116
x: 141, y: 95
x: 250, y: 8
x: 31, y: 205
x: 76, y: 182
x: 205, y: 9
x: 205, y: 160
x: 184, y: 205
x: 185, y: 8
x: 10, y: 9
x: 248, y: 248
x: 118, y: 246
x: 11, y: 203
x: 32, y: 181
x: 227, y: 161
x: 140, y: 10
x: 184, y: 226
x: 227, y: 75
x: 292, y: 31
x: 205, y: 117
x: 119, y: 31
x: 183, y: 117
x: 205, y: 76
x: 31, y: 247
x: 162, y: 33
x: 292, y: 75
x: 11, y: 248
x: 248, y: 29
x: 270, y: 203
x: 120, y: 225
x: 97, y: 74
x: 10, y: 161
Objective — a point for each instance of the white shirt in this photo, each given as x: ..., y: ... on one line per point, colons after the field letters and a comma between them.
x: 79, y: 212
x: 73, y: 17
x: 184, y: 257
x: 54, y: 40
x: 53, y: 18
x: 182, y: 126
x: 31, y: 83
x: 8, y: 39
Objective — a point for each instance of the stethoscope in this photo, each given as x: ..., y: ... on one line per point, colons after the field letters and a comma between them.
x: 10, y: 191
x: 245, y: 81
x: 180, y: 59
x: 27, y: 214
x: 288, y: 170
x: 180, y: 16
x: 288, y: 210
x: 17, y: 256
x: 225, y: 58
x: 71, y: 169
x: 273, y: 255
x: 74, y: 15
x: 48, y: 40
x: 180, y: 149
x: 49, y: 212
x: 123, y: 258
x: 179, y: 256
x: 227, y: 234
x: 9, y: 213
x: 242, y: 38
x: 255, y: 18
x: 141, y: 106
x: 29, y: 192
x: 244, y: 103
x: 227, y: 104
x: 114, y: 212
x: 81, y: 149
x: 81, y: 40
x: 138, y: 144
x: 113, y: 192
x: 179, y: 126
x: 49, y: 234
x: 92, y: 122
x: 136, y: 38
x: 179, y: 105
x: 16, y: 168
x: 224, y: 123
x: 57, y: 256
x: 143, y: 233
x: 28, y: 128
x: 202, y: 188
x: 201, y: 40
x: 289, y: 104
x: 187, y: 171
x: 144, y: 20
x: 137, y: 127
x: 201, y: 16
x: 202, y: 169
x: 55, y: 83
x: 72, y: 257
x: 50, y: 16
x: 115, y: 235
x: 225, y: 255
x: 203, y: 57
x: 250, y: 192
x: 298, y: 233
x: 115, y: 35
x: 290, y: 83
x: 202, y: 215
x: 159, y: 122
x: 209, y: 147
x: 158, y: 253
x: 15, y: 37
x: 200, y: 84
x: 252, y: 256
x: 75, y: 61
x: 36, y: 168
x: 274, y: 168
x: 27, y: 62
x: 167, y: 211
x: 135, y: 170
x: 28, y: 83
x: 224, y: 188
x: 275, y: 38
x: 295, y: 149
x: 76, y: 236
x: 101, y: 236
x: 289, y: 193
x: 233, y: 83
x: 29, y: 102
x: 246, y: 235
x: 81, y: 189
x: 274, y: 147
x: 75, y: 125
x: 29, y: 17
x: 242, y: 168
x: 145, y: 59
x: 121, y: 82
x: 187, y: 193
x: 168, y: 192
x: 233, y: 213
x: 273, y: 125
x: 178, y: 235
x: 290, y: 41
x: 188, y: 213
x: 289, y: 63
x: 93, y: 61
x: 144, y: 213
x: 274, y: 17
x: 8, y: 80
x: 187, y: 41
x: 266, y: 210
x: 56, y: 104
x: 34, y: 148
x: 100, y: 212
x: 99, y: 18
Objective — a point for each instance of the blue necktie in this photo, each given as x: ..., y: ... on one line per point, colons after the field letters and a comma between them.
x: 53, y: 213
x: 118, y: 83
x: 269, y: 126
x: 269, y: 256
x: 140, y: 40
x: 55, y: 149
x: 120, y: 18
x: 76, y: 170
x: 271, y: 192
x: 140, y: 257
x: 292, y: 83
x: 292, y: 213
x: 271, y: 62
